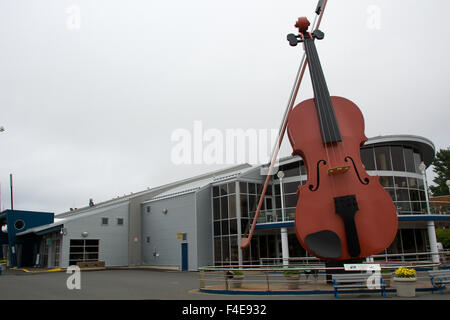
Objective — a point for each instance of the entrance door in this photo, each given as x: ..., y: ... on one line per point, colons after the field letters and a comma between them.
x: 184, y: 256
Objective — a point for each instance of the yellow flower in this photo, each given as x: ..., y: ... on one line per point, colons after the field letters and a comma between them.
x: 403, y: 272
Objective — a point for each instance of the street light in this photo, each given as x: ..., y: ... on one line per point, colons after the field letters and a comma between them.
x: 280, y: 175
x: 284, y: 232
x: 430, y: 224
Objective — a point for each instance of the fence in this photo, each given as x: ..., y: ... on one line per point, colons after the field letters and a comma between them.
x: 275, y: 279
x: 386, y: 259
x: 307, y: 273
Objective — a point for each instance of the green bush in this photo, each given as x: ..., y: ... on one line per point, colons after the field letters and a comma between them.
x: 291, y: 272
x: 237, y: 273
x: 443, y: 236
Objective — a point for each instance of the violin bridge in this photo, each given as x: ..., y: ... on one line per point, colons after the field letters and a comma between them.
x: 338, y: 170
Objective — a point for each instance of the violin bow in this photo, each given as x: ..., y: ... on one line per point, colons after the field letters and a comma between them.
x: 320, y: 9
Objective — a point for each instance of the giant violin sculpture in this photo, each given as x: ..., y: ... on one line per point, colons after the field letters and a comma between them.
x: 342, y: 213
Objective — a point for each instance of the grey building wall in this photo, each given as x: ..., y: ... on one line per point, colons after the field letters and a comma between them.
x: 113, y: 244
x: 160, y: 243
x: 135, y: 249
x: 204, y: 227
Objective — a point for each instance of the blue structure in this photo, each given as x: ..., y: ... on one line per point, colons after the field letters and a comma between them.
x: 22, y: 250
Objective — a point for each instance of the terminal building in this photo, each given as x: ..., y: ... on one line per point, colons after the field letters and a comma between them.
x: 199, y: 221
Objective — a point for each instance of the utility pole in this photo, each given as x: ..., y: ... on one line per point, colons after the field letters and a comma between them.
x: 11, y: 186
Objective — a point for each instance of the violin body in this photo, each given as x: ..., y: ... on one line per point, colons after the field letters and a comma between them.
x: 342, y: 213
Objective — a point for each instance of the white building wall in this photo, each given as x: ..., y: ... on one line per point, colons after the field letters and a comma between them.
x: 113, y: 244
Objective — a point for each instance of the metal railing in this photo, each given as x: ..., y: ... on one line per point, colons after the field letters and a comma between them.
x: 315, y: 278
x: 420, y: 207
x: 386, y: 260
x: 403, y: 208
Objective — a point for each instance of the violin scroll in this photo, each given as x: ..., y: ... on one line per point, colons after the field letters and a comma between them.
x: 302, y: 24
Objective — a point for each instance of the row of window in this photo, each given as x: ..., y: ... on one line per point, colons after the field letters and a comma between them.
x: 224, y: 207
x: 105, y: 221
x: 83, y: 250
x: 391, y: 158
x: 402, y: 182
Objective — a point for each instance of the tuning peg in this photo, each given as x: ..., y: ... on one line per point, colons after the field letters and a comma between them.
x: 319, y: 35
x: 293, y: 39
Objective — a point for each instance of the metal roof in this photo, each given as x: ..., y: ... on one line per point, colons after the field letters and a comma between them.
x: 199, y: 184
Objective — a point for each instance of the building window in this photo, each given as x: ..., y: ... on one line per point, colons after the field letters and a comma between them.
x: 368, y: 159
x: 57, y: 249
x: 232, y: 205
x: 224, y: 207
x: 383, y: 158
x: 104, y: 221
x: 19, y: 224
x: 83, y: 250
x: 120, y: 221
x: 148, y: 209
x: 216, y: 208
x: 409, y: 160
x: 398, y: 161
x: 387, y: 182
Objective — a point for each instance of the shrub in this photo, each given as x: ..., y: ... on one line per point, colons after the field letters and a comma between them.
x: 443, y: 236
x: 291, y: 272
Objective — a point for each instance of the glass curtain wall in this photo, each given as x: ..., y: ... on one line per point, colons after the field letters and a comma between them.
x: 226, y: 251
x: 400, y: 175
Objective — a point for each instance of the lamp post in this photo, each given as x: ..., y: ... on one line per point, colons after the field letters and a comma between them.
x: 284, y: 232
x: 280, y: 175
x: 430, y: 224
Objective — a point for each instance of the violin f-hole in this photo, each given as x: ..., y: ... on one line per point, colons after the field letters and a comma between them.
x: 366, y: 180
x: 311, y: 187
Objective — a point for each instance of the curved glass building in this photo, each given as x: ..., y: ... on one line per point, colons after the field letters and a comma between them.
x: 396, y: 159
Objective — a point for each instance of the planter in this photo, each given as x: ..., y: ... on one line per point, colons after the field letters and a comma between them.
x: 406, y: 287
x: 236, y: 282
x: 292, y: 281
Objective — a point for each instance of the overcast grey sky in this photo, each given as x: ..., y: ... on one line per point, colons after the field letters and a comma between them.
x: 92, y: 90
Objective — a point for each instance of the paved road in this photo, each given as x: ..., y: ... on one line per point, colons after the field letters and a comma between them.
x: 140, y: 285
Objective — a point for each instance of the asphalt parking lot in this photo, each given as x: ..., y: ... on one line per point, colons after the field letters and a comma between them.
x: 140, y: 285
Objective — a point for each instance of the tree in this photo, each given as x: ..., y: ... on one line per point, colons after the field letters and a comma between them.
x: 441, y: 166
x: 443, y: 236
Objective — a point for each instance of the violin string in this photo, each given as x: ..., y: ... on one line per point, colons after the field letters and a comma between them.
x: 323, y: 104
x: 319, y: 95
x: 336, y: 147
x: 324, y: 5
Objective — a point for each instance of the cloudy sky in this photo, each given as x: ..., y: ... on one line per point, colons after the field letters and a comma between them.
x: 92, y: 91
